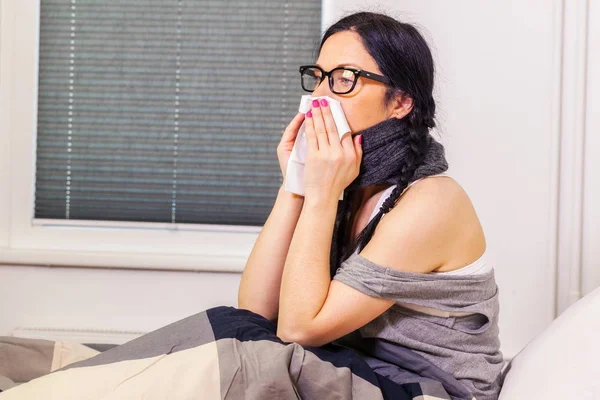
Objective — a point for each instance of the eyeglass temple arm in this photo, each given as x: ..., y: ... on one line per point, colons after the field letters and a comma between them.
x: 375, y: 77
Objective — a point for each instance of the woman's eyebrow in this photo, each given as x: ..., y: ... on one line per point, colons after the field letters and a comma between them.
x: 342, y: 65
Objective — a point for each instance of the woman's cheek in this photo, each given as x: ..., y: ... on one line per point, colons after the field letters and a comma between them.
x: 353, y: 117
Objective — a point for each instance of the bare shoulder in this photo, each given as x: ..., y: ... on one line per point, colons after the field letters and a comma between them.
x: 441, y: 194
x: 433, y: 227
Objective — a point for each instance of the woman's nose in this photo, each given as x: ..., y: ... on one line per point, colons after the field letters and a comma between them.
x: 322, y: 89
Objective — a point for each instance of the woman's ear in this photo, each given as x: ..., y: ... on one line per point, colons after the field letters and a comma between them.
x: 401, y: 106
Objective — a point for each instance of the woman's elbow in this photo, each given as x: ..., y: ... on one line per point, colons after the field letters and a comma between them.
x: 303, y: 338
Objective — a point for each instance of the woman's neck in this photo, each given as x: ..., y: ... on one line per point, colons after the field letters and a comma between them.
x: 361, y: 198
x: 364, y: 194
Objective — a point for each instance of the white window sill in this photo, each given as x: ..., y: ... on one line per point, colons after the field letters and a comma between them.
x: 123, y: 260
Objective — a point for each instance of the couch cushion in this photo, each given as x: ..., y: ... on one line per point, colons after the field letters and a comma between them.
x: 561, y: 362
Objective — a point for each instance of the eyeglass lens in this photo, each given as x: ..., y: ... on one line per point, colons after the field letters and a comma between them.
x: 343, y: 79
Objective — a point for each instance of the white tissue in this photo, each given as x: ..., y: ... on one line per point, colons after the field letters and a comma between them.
x: 295, y: 168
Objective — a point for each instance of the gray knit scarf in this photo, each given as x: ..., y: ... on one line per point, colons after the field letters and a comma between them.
x: 387, y: 147
x: 384, y: 145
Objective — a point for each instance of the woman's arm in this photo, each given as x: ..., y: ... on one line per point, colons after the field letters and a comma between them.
x: 306, y: 276
x: 429, y: 225
x: 261, y: 280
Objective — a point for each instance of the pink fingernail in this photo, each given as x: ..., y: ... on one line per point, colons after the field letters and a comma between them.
x: 309, y: 114
x: 324, y: 102
x: 360, y: 139
x: 315, y: 103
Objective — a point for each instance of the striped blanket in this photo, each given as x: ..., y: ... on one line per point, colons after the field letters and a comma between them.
x: 225, y: 353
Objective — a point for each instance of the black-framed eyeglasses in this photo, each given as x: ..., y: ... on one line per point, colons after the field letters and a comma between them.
x: 342, y: 80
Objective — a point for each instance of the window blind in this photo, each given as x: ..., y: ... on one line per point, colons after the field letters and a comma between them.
x: 167, y: 111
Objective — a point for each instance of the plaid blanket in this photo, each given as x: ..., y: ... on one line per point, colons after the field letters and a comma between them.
x: 229, y: 353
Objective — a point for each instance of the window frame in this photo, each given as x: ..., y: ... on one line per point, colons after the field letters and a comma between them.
x: 29, y: 241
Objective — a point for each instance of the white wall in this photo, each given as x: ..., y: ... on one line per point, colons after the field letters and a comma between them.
x: 4, y: 154
x: 105, y: 299
x: 499, y: 99
x: 591, y: 195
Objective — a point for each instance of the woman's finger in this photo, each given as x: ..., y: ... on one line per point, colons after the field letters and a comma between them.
x: 332, y: 132
x: 309, y: 131
x: 319, y: 124
x: 292, y: 129
x: 357, y: 142
x: 347, y: 143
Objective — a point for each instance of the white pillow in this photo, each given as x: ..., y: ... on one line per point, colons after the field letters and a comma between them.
x: 563, y: 361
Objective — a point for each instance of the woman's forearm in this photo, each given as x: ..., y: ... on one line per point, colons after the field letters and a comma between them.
x: 306, y: 277
x: 261, y: 280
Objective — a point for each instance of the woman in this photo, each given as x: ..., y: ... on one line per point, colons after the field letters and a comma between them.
x: 401, y: 307
x: 416, y: 279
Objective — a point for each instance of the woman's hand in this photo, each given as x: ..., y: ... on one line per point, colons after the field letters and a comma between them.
x: 331, y: 164
x: 284, y: 148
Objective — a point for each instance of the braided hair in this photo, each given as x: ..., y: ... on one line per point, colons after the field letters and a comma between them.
x: 402, y: 55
